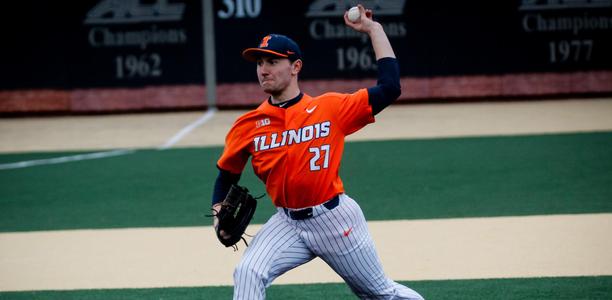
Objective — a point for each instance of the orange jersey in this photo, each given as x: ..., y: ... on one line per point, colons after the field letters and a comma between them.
x: 296, y: 151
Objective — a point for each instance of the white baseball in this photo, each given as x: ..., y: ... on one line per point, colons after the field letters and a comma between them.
x: 353, y: 14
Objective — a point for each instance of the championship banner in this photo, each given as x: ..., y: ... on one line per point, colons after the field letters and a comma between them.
x: 132, y: 43
x: 430, y: 38
x: 99, y: 55
x: 105, y: 55
x: 446, y: 48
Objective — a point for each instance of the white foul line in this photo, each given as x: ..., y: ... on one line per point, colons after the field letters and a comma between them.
x: 178, y: 136
x: 64, y: 159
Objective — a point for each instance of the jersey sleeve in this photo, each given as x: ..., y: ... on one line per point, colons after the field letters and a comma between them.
x: 354, y: 111
x: 235, y: 154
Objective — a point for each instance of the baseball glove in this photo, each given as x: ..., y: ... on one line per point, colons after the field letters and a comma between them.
x: 235, y: 215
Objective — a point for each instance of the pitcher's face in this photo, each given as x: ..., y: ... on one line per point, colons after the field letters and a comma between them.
x: 275, y: 74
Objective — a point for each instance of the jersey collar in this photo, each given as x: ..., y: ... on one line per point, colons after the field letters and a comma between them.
x: 287, y: 103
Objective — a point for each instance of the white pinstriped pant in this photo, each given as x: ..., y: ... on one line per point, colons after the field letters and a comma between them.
x: 283, y: 244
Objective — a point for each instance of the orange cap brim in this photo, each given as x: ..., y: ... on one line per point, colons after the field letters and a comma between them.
x: 251, y: 54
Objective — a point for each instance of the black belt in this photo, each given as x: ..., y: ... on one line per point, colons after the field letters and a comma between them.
x: 306, y: 213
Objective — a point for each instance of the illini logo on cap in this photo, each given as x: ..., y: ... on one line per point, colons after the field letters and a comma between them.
x: 264, y: 41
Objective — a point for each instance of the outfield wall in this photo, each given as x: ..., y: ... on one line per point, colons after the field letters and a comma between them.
x: 109, y: 56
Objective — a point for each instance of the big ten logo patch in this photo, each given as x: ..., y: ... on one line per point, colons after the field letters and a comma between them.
x: 262, y: 122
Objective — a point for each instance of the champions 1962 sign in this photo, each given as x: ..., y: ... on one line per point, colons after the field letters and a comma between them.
x: 136, y: 42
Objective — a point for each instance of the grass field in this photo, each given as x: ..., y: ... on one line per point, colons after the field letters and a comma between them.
x: 392, y: 180
x: 522, y: 288
x: 416, y: 179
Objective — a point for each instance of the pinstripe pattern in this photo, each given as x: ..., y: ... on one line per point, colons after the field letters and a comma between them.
x: 339, y: 237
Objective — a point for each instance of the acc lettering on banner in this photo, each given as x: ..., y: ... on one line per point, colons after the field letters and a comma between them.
x: 292, y: 136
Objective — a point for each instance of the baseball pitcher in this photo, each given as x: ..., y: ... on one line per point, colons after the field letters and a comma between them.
x: 296, y: 142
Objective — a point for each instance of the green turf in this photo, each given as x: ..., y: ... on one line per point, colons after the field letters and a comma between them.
x: 480, y: 177
x: 410, y: 179
x: 509, y: 289
x: 147, y: 188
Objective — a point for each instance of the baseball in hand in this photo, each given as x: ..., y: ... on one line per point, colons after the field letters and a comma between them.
x: 354, y: 14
